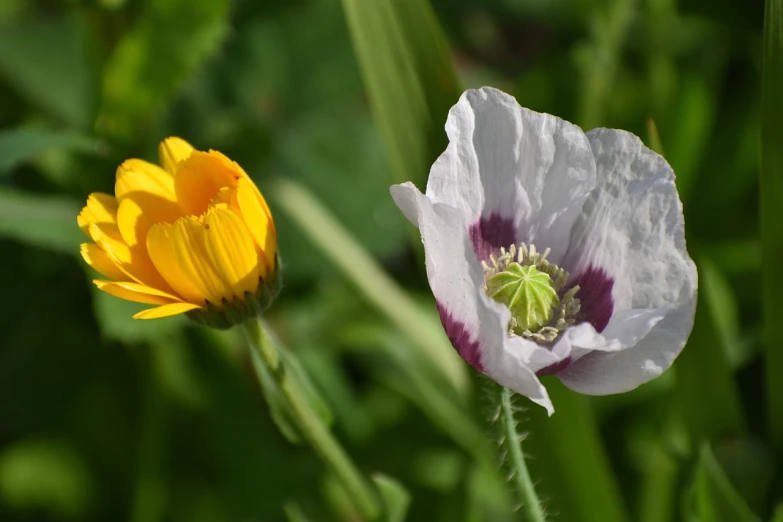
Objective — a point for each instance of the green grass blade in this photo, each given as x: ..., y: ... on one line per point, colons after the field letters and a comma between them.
x: 43, y: 221
x: 715, y: 498
x: 772, y: 211
x: 376, y: 285
x: 409, y: 78
x: 20, y: 145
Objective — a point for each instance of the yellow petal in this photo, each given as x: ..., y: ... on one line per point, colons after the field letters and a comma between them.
x: 83, y: 220
x: 133, y: 223
x: 151, y: 188
x: 135, y: 175
x: 179, y: 252
x: 189, y: 239
x: 232, y: 251
x: 134, y: 262
x: 101, y: 208
x: 160, y: 245
x: 104, y: 230
x: 135, y: 292
x: 258, y: 221
x: 165, y: 311
x: 198, y: 180
x: 228, y: 164
x: 100, y: 261
x: 171, y: 151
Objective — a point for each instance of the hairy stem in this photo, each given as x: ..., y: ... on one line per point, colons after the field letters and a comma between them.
x: 531, y: 506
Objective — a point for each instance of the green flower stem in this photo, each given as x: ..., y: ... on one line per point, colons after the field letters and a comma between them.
x: 310, y: 425
x: 531, y: 506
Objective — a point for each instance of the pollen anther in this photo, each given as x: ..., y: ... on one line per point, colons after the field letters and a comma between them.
x: 543, y: 326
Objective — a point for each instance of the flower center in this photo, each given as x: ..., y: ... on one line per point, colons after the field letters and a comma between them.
x: 534, y: 290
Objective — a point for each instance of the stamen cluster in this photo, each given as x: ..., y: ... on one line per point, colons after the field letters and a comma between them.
x: 568, y: 305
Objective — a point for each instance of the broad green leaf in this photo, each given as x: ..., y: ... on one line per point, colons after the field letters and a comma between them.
x: 21, y: 145
x: 714, y: 497
x: 43, y: 221
x: 778, y: 516
x: 771, y: 182
x: 49, y: 63
x: 705, y: 385
x: 152, y: 61
x: 396, y: 498
x: 408, y: 76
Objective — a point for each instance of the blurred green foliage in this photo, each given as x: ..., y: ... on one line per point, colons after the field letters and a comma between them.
x: 106, y: 418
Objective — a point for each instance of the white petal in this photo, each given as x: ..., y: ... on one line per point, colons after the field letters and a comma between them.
x: 475, y: 325
x: 632, y: 231
x: 514, y: 174
x: 626, y: 328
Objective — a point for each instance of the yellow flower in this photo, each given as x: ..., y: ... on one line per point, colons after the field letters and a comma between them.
x: 192, y: 235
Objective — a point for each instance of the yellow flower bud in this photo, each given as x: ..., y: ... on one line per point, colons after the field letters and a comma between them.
x: 193, y: 235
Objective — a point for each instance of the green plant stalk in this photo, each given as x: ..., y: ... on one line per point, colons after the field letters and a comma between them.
x: 531, y: 506
x: 311, y: 427
x: 771, y: 182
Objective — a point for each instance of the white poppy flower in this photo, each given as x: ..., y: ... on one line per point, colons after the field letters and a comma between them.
x: 578, y: 238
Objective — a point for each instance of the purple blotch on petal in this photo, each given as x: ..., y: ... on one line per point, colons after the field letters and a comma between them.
x: 595, y: 294
x: 491, y: 233
x: 460, y: 338
x: 552, y: 369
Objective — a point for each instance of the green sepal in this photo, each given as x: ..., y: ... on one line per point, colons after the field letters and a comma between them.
x: 239, y: 310
x: 279, y: 408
